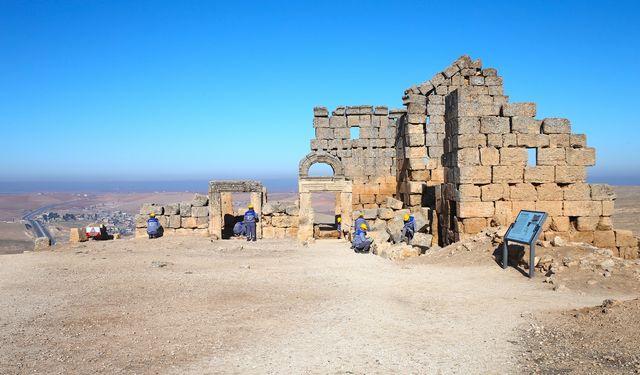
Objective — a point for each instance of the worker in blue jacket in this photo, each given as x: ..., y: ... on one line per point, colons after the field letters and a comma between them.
x: 359, y: 221
x: 409, y: 228
x: 250, y: 220
x: 239, y: 229
x: 153, y: 226
x: 361, y: 243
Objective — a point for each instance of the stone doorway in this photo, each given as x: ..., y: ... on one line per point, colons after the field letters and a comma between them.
x: 221, y: 210
x: 337, y: 184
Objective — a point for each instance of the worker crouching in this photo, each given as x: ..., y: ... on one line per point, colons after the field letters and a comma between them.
x: 361, y: 243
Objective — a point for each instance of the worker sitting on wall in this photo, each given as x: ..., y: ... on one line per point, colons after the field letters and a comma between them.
x: 239, y: 229
x: 250, y: 220
x: 153, y: 226
x: 409, y: 228
x: 361, y: 243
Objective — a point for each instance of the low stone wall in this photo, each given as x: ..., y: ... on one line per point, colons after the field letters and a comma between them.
x: 280, y: 220
x: 183, y: 219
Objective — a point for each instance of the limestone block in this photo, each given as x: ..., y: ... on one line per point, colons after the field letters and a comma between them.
x: 321, y: 122
x: 476, y: 80
x: 291, y: 232
x: 186, y: 222
x: 604, y: 239
x: 625, y: 238
x: 495, y: 125
x: 560, y: 223
x: 174, y: 221
x: 199, y: 211
x: 370, y: 213
x: 556, y: 126
x: 550, y: 192
x: 172, y: 209
x: 551, y: 156
x: 320, y: 112
x: 525, y: 125
x: 577, y: 140
x: 570, y: 174
x: 540, y: 174
x: 475, y: 209
x: 202, y: 222
x: 605, y: 223
x: 200, y: 200
x: 435, y: 152
x: 474, y: 225
x: 503, y: 173
x: 77, y: 235
x: 141, y: 221
x: 465, y: 125
x: 533, y: 140
x: 324, y: 133
x: 385, y: 213
x: 577, y: 192
x: 523, y: 192
x: 468, y: 156
x: 338, y: 122
x: 341, y: 133
x: 559, y: 140
x: 602, y: 192
x: 493, y: 81
x: 475, y: 174
x: 607, y: 208
x: 415, y: 152
x: 495, y: 192
x: 496, y: 140
x: 586, y: 223
x: 581, y: 156
x: 415, y: 139
x: 163, y: 220
x: 509, y: 140
x: 519, y: 109
x: 185, y: 208
x: 516, y: 156
x: 284, y: 221
x: 148, y: 208
x: 517, y: 206
x: 469, y: 140
x: 553, y: 208
x: 584, y: 237
x: 503, y: 215
x: 582, y: 208
x: 489, y: 156
x: 468, y: 192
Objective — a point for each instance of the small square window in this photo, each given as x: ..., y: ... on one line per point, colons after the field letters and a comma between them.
x: 355, y: 132
x: 533, y: 157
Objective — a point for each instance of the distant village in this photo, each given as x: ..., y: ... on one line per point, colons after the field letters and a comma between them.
x: 116, y: 221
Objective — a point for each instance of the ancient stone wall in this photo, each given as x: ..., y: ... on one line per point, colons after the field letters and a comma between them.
x: 367, y: 160
x: 421, y: 131
x: 489, y: 178
x: 280, y: 220
x: 183, y: 219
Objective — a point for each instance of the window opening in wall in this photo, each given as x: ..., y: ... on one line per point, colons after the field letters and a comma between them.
x: 320, y: 170
x: 533, y: 157
x: 354, y: 132
x: 427, y: 120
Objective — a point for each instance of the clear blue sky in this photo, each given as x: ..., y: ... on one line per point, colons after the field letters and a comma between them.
x: 170, y: 90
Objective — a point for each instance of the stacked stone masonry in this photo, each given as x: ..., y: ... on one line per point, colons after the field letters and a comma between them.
x: 459, y: 153
x: 182, y: 219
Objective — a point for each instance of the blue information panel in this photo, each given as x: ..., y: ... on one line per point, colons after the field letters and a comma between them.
x: 526, y: 227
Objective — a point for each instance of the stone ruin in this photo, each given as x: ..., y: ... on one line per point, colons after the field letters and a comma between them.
x: 459, y: 156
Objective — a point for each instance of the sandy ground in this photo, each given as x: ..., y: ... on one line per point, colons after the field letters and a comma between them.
x: 192, y: 306
x: 14, y: 238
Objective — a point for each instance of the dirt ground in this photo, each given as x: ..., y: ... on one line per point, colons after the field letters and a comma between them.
x: 192, y: 306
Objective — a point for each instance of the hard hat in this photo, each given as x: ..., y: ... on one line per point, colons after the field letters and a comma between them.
x: 406, y: 217
x: 363, y: 226
x: 339, y: 219
x: 152, y: 214
x: 250, y: 205
x: 360, y: 214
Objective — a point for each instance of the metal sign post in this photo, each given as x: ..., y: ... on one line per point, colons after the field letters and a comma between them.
x: 525, y: 230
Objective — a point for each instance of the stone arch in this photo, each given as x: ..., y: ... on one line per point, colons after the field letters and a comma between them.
x: 320, y: 157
